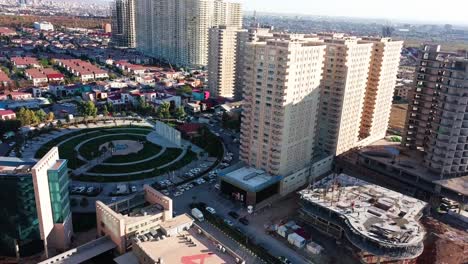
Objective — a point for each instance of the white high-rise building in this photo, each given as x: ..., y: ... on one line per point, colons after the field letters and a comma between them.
x: 177, y: 31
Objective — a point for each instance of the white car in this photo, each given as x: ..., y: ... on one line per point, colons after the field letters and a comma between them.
x: 177, y: 194
x: 217, y: 186
x: 210, y: 210
x: 134, y: 189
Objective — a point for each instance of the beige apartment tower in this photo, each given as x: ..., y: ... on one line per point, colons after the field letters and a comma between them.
x: 343, y: 90
x: 245, y: 36
x: 281, y: 92
x: 381, y: 82
x: 177, y: 31
x: 222, y: 61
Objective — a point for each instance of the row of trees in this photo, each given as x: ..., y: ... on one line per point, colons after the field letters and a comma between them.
x: 29, y: 117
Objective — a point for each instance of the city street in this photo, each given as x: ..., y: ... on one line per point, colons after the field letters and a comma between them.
x: 208, y: 194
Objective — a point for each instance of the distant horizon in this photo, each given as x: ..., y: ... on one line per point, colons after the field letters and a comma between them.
x: 412, y: 11
x: 396, y: 11
x: 393, y: 21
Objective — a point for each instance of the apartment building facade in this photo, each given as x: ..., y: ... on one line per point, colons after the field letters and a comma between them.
x: 222, y: 61
x: 381, y: 83
x: 281, y: 93
x: 437, y: 122
x: 123, y: 23
x: 177, y: 32
x: 243, y: 37
x: 342, y: 95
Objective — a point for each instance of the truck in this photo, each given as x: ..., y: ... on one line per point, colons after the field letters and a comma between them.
x: 197, y: 214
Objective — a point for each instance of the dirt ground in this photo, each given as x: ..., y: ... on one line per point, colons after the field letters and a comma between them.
x: 398, y: 117
x: 443, y: 244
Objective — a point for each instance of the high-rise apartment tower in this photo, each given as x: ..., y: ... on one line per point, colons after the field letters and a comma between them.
x: 177, y: 31
x: 437, y: 119
x: 123, y: 23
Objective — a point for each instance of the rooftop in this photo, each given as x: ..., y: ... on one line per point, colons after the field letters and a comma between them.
x: 249, y: 178
x: 187, y: 247
x: 377, y: 213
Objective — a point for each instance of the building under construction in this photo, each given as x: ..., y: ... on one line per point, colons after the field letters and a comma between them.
x: 382, y: 224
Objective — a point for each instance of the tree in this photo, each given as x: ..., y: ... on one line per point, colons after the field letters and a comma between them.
x: 41, y: 115
x: 28, y: 117
x: 87, y: 109
x: 50, y: 116
x: 180, y: 113
x: 105, y: 112
x: 163, y: 110
x: 186, y: 89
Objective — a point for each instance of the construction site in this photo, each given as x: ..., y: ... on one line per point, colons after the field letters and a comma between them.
x: 381, y: 224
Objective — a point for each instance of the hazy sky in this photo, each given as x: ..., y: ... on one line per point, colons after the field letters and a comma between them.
x: 443, y: 11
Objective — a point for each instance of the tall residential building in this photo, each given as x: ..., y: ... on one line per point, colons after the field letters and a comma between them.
x: 177, y: 31
x: 222, y: 61
x: 243, y: 37
x: 123, y: 23
x: 381, y: 82
x: 35, y: 205
x: 343, y: 90
x: 282, y: 88
x: 437, y: 112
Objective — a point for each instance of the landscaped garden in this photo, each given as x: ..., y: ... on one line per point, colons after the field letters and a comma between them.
x: 148, y: 160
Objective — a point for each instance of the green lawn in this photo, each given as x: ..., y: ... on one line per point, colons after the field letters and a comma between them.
x: 169, y: 155
x: 66, y: 150
x: 188, y: 157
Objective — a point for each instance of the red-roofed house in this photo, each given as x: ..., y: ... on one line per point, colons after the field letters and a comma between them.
x: 4, y: 31
x: 24, y: 62
x: 7, y: 115
x: 55, y: 77
x: 37, y: 76
x: 189, y: 129
x: 4, y: 79
x: 19, y: 96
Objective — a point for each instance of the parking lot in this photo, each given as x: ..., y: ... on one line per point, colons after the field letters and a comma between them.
x: 232, y: 212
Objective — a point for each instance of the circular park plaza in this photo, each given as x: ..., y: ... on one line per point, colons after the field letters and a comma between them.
x: 122, y: 152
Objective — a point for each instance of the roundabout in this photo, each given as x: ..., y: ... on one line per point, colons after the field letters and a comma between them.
x: 119, y: 154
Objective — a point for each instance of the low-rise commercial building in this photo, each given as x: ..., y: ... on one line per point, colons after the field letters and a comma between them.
x: 123, y: 224
x: 193, y: 245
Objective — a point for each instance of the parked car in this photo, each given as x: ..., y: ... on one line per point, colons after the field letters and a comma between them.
x: 244, y: 221
x: 228, y: 222
x: 233, y: 214
x: 210, y: 210
x: 177, y: 194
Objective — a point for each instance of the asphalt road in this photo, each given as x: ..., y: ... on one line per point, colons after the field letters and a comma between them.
x: 208, y: 194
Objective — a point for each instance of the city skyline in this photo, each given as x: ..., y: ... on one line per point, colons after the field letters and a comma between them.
x: 365, y: 9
